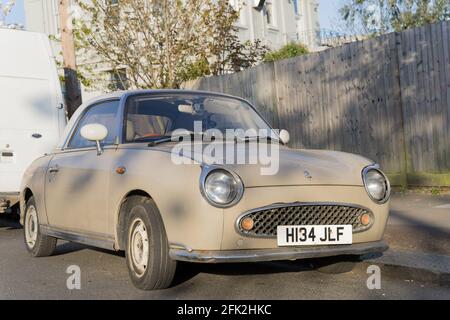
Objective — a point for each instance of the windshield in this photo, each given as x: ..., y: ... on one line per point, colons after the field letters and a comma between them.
x: 150, y: 118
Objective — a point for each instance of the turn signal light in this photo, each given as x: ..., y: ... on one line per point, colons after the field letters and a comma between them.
x: 247, y: 224
x: 365, y: 219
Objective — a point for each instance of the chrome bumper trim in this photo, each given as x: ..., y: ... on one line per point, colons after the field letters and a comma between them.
x: 282, y: 253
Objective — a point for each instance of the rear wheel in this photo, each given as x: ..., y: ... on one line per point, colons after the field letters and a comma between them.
x: 147, y: 251
x: 335, y: 265
x: 38, y: 245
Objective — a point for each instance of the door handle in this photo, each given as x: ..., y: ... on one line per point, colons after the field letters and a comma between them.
x: 54, y: 169
x: 36, y: 135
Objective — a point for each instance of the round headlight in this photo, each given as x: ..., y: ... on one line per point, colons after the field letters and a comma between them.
x: 376, y: 184
x: 222, y: 188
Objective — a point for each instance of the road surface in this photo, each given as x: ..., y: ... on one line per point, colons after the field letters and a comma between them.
x: 416, y: 267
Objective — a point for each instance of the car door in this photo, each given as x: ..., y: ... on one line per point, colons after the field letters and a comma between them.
x: 77, y: 183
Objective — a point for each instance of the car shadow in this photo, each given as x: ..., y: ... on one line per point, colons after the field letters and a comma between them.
x: 66, y: 247
x: 9, y: 222
x: 186, y: 271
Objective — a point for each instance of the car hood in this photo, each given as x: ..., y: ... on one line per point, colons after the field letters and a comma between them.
x: 294, y: 166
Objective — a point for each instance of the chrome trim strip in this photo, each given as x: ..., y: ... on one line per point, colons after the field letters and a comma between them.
x: 276, y: 254
x: 95, y: 240
x: 206, y: 170
x: 298, y: 204
x: 376, y: 167
x: 176, y: 245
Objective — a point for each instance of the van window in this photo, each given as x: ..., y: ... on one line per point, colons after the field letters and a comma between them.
x: 104, y: 113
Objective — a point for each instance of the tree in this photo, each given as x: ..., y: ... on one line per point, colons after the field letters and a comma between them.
x: 288, y: 51
x: 159, y: 43
x: 5, y: 10
x: 227, y: 52
x: 374, y: 17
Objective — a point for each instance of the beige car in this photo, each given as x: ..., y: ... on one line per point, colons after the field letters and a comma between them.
x: 128, y: 176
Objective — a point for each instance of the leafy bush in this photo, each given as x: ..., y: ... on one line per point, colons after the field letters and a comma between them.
x: 288, y: 51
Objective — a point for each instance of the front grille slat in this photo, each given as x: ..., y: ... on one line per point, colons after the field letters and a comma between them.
x: 266, y: 220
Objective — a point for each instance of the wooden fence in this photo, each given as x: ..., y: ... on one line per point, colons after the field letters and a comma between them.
x: 387, y: 98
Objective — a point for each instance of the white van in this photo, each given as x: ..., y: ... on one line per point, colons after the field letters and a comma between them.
x: 32, y: 113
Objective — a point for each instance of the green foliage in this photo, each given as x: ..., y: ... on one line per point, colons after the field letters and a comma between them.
x: 374, y: 17
x: 288, y: 51
x: 161, y: 43
x: 227, y: 52
x: 195, y: 70
x: 435, y: 191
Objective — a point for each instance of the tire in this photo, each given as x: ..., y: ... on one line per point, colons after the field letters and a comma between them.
x: 37, y: 244
x: 335, y: 265
x: 147, y: 247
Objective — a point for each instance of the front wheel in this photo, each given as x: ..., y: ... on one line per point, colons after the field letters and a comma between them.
x: 147, y: 251
x: 37, y: 244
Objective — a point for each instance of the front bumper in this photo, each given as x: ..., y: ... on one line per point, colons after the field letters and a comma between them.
x: 282, y: 253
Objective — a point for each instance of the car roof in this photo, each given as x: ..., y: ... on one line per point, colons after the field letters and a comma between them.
x: 120, y: 94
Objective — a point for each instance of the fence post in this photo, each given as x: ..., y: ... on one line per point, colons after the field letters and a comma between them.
x: 406, y: 154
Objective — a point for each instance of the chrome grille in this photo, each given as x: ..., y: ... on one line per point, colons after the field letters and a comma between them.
x: 268, y: 218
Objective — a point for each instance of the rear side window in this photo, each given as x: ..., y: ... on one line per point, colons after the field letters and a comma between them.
x: 104, y: 113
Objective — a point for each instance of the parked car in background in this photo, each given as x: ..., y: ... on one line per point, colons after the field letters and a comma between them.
x: 113, y: 183
x: 32, y: 116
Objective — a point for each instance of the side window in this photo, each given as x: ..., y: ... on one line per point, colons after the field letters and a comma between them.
x: 141, y: 126
x: 146, y: 120
x: 104, y: 113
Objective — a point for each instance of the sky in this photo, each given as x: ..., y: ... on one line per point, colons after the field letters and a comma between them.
x: 17, y: 14
x: 328, y: 12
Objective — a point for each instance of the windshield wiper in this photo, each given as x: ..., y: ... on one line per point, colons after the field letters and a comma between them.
x: 156, y: 142
x: 170, y: 139
x: 257, y: 138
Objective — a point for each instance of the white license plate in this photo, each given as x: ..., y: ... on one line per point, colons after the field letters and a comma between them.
x: 314, y: 235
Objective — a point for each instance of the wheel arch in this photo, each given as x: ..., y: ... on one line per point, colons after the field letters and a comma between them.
x: 122, y: 214
x: 26, y: 194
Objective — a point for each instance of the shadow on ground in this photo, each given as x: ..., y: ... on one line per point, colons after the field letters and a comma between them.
x: 9, y: 222
x: 417, y: 235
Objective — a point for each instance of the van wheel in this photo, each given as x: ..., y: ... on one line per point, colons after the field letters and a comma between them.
x: 335, y: 265
x: 38, y: 245
x: 147, y: 250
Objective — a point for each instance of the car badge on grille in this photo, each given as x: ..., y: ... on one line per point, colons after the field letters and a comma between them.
x: 307, y: 175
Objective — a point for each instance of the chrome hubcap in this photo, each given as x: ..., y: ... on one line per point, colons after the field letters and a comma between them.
x: 31, y: 226
x: 139, y: 247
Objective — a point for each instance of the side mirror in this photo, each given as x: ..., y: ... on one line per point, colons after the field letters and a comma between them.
x: 284, y: 136
x: 95, y: 132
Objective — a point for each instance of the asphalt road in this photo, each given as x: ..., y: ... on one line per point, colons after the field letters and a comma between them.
x: 419, y: 227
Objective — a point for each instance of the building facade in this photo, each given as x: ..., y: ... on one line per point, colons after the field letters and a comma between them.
x: 274, y: 22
